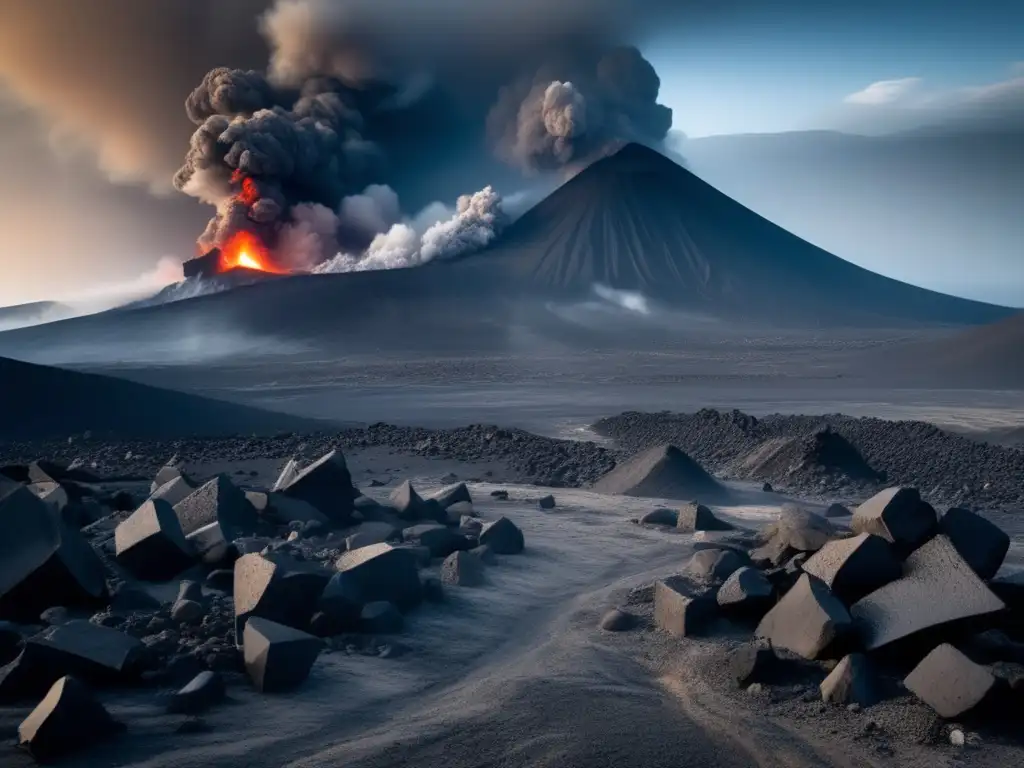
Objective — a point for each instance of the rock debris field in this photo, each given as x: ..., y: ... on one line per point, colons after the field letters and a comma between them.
x: 194, y: 585
x: 263, y: 582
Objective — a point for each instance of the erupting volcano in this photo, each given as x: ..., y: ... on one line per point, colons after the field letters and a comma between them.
x: 245, y: 251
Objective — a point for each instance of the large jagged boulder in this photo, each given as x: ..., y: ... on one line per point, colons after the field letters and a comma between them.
x: 407, y: 502
x: 453, y: 494
x: 90, y: 652
x: 937, y: 588
x: 949, y: 682
x: 853, y: 681
x: 43, y: 561
x: 150, y: 544
x: 680, y: 612
x: 439, y: 539
x: 981, y: 543
x: 277, y: 657
x: 211, y: 546
x: 174, y: 491
x: 463, y: 569
x: 327, y: 485
x: 663, y: 472
x: 218, y: 501
x: 695, y: 517
x: 383, y: 572
x: 898, y: 515
x: 277, y: 588
x: 808, y: 620
x: 67, y: 720
x: 52, y: 494
x: 503, y: 537
x: 856, y: 566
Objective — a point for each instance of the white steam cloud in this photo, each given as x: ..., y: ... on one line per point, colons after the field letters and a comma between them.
x: 434, y: 233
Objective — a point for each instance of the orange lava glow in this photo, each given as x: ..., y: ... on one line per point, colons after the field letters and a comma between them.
x: 244, y: 250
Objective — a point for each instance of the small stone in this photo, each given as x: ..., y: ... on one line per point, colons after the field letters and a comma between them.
x: 755, y: 689
x: 186, y: 611
x: 463, y: 569
x: 855, y: 707
x: 547, y: 502
x: 618, y: 620
x: 957, y: 738
x: 204, y: 690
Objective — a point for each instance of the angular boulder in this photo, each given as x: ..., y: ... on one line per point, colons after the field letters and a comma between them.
x: 365, y: 534
x: 807, y: 620
x: 463, y: 569
x: 438, y: 539
x: 204, y: 691
x: 173, y: 491
x: 856, y: 566
x: 210, y: 545
x: 218, y: 501
x: 276, y: 588
x: 853, y: 681
x: 67, y: 720
x: 715, y: 564
x: 277, y: 658
x: 453, y: 494
x: 89, y: 652
x: 503, y: 537
x: 679, y: 612
x: 51, y: 494
x: 168, y: 472
x: 663, y: 472
x: 796, y: 530
x: 982, y: 544
x: 381, y: 618
x: 897, y: 515
x: 327, y: 485
x: 837, y: 510
x: 150, y: 544
x: 407, y: 502
x: 747, y: 591
x: 937, y: 587
x: 43, y: 561
x: 949, y: 682
x: 383, y: 572
x: 695, y: 517
x: 339, y: 607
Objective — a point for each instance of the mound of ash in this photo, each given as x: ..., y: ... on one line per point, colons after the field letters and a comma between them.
x: 266, y: 579
x: 903, y: 611
x: 662, y: 472
x: 954, y: 469
x: 196, y: 286
x: 824, y: 459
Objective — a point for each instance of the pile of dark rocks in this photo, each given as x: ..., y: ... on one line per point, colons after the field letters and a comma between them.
x: 889, y: 599
x: 266, y: 580
x: 950, y: 469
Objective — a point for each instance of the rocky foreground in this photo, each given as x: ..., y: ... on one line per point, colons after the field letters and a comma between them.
x: 852, y: 609
x: 264, y: 581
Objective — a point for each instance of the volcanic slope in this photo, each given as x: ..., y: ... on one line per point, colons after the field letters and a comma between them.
x: 638, y: 221
x: 41, y: 402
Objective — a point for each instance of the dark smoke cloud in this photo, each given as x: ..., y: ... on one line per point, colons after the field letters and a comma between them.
x: 570, y: 113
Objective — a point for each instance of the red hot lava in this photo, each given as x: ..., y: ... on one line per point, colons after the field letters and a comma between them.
x: 244, y: 250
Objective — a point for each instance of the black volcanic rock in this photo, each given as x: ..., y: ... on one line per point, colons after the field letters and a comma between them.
x: 824, y: 457
x: 663, y: 472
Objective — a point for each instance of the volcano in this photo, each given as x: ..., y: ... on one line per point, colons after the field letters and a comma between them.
x: 634, y: 221
x: 637, y: 221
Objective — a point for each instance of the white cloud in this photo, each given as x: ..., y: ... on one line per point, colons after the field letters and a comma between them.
x: 885, y: 91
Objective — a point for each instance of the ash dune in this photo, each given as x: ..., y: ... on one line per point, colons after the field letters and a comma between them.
x: 634, y: 221
x: 45, y: 402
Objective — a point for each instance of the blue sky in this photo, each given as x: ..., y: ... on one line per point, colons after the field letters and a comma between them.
x: 763, y: 71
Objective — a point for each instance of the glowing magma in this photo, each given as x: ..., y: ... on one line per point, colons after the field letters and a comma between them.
x: 244, y: 250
